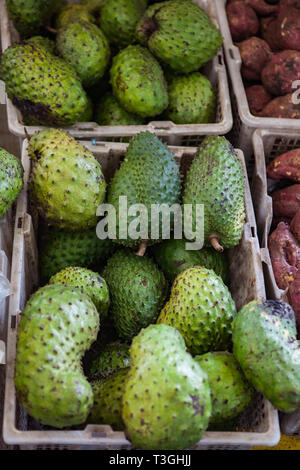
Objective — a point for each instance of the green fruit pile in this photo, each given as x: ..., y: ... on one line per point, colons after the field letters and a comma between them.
x: 148, y: 56
x: 143, y: 334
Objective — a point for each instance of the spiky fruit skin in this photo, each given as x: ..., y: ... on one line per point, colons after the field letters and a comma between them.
x: 114, y: 356
x: 166, y: 403
x: 56, y: 99
x: 84, y: 46
x: 109, y: 112
x: 180, y: 34
x: 137, y: 290
x: 44, y: 42
x: 66, y: 181
x: 138, y: 82
x: 149, y: 175
x: 231, y: 393
x: 216, y: 180
x: 30, y: 15
x: 118, y: 20
x: 64, y: 249
x: 11, y: 179
x: 192, y: 100
x: 202, y: 309
x: 108, y: 396
x: 173, y: 258
x: 71, y: 13
x: 93, y: 6
x: 57, y: 326
x: 89, y: 282
x: 266, y: 347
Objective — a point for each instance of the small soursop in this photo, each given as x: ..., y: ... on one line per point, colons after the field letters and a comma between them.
x: 112, y: 357
x: 71, y: 13
x: 109, y: 112
x: 11, y: 179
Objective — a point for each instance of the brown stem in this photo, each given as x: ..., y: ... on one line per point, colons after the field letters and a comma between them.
x: 51, y: 30
x: 142, y: 248
x: 214, y: 239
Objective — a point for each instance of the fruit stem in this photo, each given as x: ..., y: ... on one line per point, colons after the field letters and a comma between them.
x: 51, y: 30
x: 142, y: 248
x: 214, y: 239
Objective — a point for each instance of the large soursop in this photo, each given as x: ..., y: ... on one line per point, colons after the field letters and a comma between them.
x: 57, y: 326
x: 166, y: 403
x: 179, y: 33
x: 202, y: 309
x: 43, y: 86
x: 67, y: 182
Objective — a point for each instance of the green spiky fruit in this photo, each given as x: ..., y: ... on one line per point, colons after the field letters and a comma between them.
x: 109, y: 112
x: 266, y: 347
x: 71, y: 13
x: 57, y: 326
x: 202, y: 309
x: 11, y: 179
x: 138, y: 82
x: 108, y: 395
x: 90, y: 282
x: 149, y: 175
x: 44, y: 42
x: 216, y: 180
x: 64, y: 249
x: 29, y: 16
x: 84, y: 46
x: 192, y: 100
x: 43, y: 86
x: 118, y: 20
x: 137, y: 290
x: 231, y: 393
x: 93, y: 6
x: 172, y: 257
x: 166, y: 403
x: 67, y: 182
x: 112, y: 357
x: 180, y: 34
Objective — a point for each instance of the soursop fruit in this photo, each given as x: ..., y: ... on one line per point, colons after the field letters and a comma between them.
x: 138, y: 290
x: 118, y: 20
x: 11, y: 180
x: 216, y: 180
x: 108, y: 400
x: 231, y: 393
x: 57, y: 326
x: 266, y: 347
x: 113, y: 357
x: 192, y: 100
x: 29, y: 16
x: 71, y: 13
x: 84, y: 46
x: 93, y: 6
x: 109, y: 112
x: 63, y: 249
x: 43, y: 86
x: 166, y: 402
x: 67, y: 183
x: 138, y: 82
x: 89, y: 282
x: 180, y: 34
x: 202, y: 309
x: 173, y: 258
x: 44, y: 42
x: 149, y: 175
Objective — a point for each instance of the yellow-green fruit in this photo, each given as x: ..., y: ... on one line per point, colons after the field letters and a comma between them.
x: 109, y: 112
x: 84, y: 46
x: 58, y: 325
x: 138, y: 82
x: 202, y: 309
x: 166, y: 403
x: 71, y: 13
x: 112, y: 357
x: 11, y: 179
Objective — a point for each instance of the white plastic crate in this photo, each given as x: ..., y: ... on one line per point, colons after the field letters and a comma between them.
x: 244, y: 122
x: 173, y: 134
x: 259, y: 425
x: 267, y: 145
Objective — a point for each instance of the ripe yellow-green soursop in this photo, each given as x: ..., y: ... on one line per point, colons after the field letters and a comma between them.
x: 11, y: 179
x: 71, y: 13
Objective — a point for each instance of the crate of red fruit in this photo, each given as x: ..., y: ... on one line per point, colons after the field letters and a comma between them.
x: 36, y: 250
x: 97, y: 103
x: 276, y: 198
x: 262, y: 49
